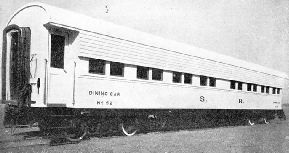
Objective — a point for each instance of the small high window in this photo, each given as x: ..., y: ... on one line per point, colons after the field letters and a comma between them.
x: 177, y: 77
x: 188, y: 78
x: 96, y: 66
x: 262, y: 89
x: 278, y: 90
x: 254, y: 87
x: 273, y: 90
x: 249, y: 87
x: 267, y: 89
x: 57, y: 51
x: 142, y: 73
x: 116, y: 69
x: 212, y: 82
x: 157, y: 74
x: 232, y: 84
x: 203, y: 80
x: 240, y: 86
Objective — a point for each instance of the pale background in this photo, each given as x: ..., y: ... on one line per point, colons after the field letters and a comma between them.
x: 252, y: 30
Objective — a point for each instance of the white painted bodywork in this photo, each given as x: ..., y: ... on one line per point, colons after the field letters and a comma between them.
x: 131, y: 94
x: 91, y: 38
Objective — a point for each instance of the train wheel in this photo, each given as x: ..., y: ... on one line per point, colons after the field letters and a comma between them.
x: 78, y: 134
x: 250, y: 122
x: 129, y: 127
x: 265, y: 121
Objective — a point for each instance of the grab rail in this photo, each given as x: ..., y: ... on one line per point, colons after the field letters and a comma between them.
x: 45, y: 97
x: 73, y: 102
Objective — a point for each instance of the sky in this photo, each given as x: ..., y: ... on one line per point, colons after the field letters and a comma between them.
x: 252, y: 30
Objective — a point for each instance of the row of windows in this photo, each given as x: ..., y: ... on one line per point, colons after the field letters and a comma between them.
x: 253, y: 87
x: 204, y: 81
x: 97, y: 66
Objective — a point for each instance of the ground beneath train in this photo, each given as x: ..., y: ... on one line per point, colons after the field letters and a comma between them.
x: 273, y: 137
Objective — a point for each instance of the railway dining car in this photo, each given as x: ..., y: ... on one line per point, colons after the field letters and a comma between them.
x: 76, y: 73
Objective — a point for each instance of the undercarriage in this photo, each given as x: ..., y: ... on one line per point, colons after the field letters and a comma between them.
x: 77, y: 124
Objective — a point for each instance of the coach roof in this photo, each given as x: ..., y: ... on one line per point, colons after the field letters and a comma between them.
x: 74, y: 21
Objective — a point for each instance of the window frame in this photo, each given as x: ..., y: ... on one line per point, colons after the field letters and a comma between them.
x: 205, y: 78
x: 179, y: 76
x: 122, y: 68
x: 274, y: 91
x: 240, y: 86
x: 249, y: 86
x: 262, y: 89
x: 233, y: 84
x: 278, y: 91
x: 267, y: 90
x: 188, y: 78
x: 254, y: 87
x: 65, y: 36
x: 212, y: 82
x: 140, y: 69
x: 157, y: 72
x: 89, y: 65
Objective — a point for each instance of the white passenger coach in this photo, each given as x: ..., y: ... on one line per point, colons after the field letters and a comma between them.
x: 59, y: 61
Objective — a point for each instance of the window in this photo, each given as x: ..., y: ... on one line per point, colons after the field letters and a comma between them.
x: 254, y: 87
x: 177, y: 77
x: 188, y: 78
x: 57, y: 51
x: 267, y: 89
x: 262, y: 89
x: 157, y: 74
x: 240, y: 86
x: 274, y: 91
x: 116, y: 68
x: 203, y: 80
x: 142, y: 72
x: 212, y: 82
x: 96, y: 66
x: 278, y: 90
x: 232, y: 84
x: 249, y: 87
